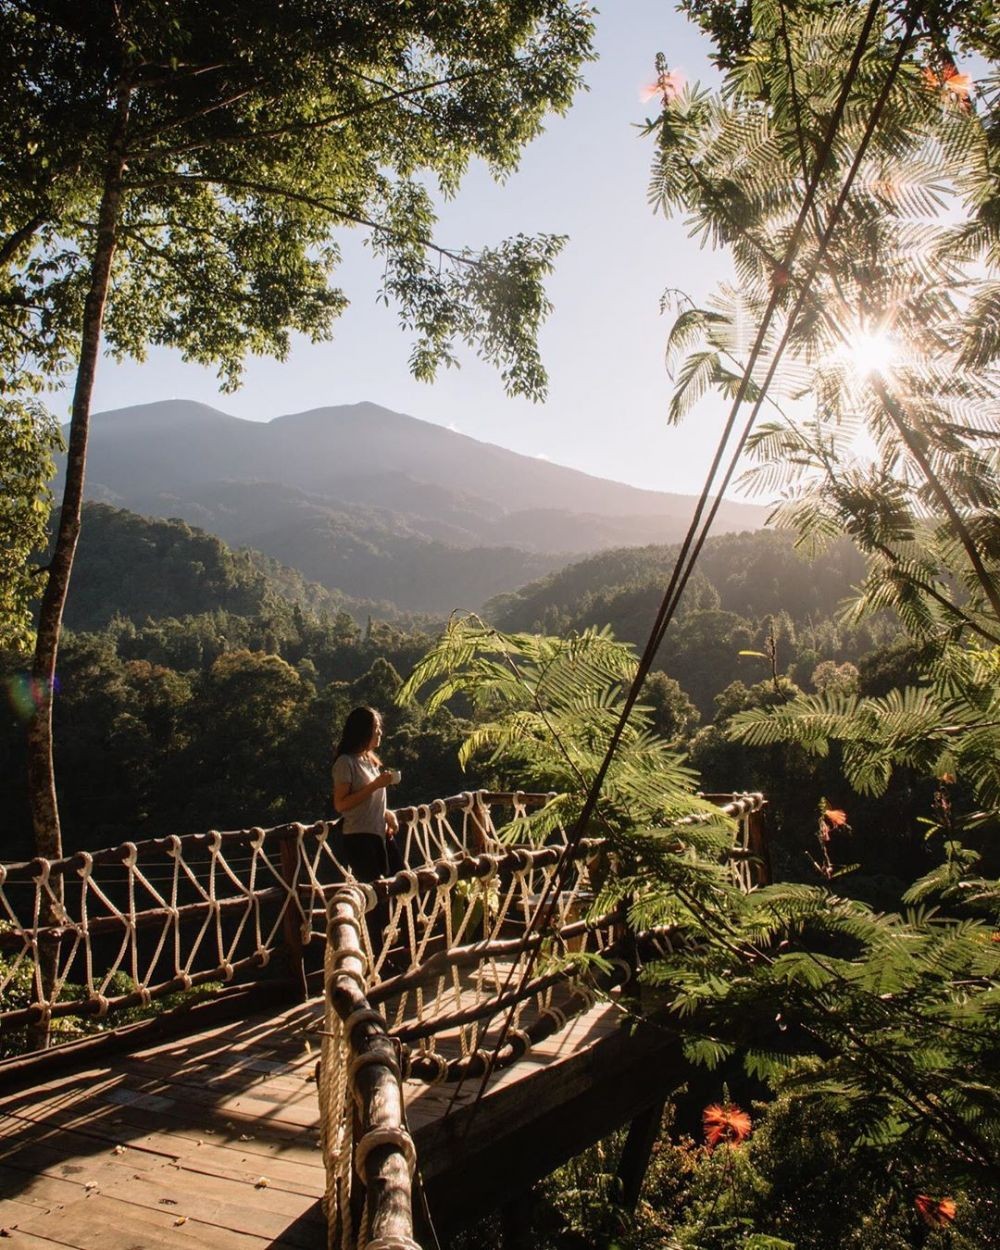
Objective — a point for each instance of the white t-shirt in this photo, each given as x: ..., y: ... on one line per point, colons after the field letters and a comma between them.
x: 368, y: 816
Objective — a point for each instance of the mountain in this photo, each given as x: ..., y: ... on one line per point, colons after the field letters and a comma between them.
x: 374, y: 503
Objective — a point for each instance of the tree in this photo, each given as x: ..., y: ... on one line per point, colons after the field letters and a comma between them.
x: 850, y: 167
x: 175, y: 174
x: 28, y: 437
x: 672, y: 714
x: 866, y: 317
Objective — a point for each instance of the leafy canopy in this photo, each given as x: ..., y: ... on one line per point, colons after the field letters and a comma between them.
x: 881, y: 417
x: 250, y: 135
x: 28, y: 439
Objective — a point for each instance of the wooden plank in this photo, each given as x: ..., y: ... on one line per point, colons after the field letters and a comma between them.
x: 102, y: 1223
x: 257, y: 1211
x: 15, y: 1237
x: 278, y: 1090
x: 64, y: 1147
x: 118, y: 1124
x: 155, y: 1094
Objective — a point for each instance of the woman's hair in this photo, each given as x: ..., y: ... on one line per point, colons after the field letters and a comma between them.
x: 359, y: 729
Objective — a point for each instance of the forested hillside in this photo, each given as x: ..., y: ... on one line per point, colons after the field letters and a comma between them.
x: 137, y: 567
x: 752, y: 591
x: 220, y: 677
x: 752, y: 574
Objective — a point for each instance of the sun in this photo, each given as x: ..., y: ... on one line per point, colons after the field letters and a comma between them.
x: 870, y: 351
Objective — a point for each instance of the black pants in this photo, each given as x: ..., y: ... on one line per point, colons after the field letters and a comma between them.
x: 369, y: 857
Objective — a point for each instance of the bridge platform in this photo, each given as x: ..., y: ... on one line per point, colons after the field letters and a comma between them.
x: 212, y: 1140
x: 130, y: 1138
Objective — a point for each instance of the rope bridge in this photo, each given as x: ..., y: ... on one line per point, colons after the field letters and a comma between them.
x: 479, y: 962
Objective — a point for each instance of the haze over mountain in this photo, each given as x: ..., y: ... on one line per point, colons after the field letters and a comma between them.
x: 374, y: 503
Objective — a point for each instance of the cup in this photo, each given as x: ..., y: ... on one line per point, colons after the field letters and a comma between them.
x: 395, y: 776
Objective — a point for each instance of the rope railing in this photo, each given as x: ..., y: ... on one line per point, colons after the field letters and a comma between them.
x: 434, y: 958
x: 98, y: 934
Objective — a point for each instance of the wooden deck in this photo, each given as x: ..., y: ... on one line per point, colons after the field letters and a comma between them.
x: 212, y: 1140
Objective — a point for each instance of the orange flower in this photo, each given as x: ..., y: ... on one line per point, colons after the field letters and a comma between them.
x: 937, y: 1212
x: 834, y: 817
x: 668, y: 86
x: 950, y: 81
x: 727, y: 1123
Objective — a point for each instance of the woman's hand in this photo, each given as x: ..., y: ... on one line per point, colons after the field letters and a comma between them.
x: 391, y: 824
x: 382, y: 781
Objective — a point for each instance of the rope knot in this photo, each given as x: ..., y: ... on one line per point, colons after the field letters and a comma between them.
x: 439, y: 808
x: 256, y: 839
x: 363, y: 1015
x: 450, y: 870
x: 492, y: 866
x: 129, y: 853
x: 358, y: 895
x: 389, y: 1136
x: 522, y: 860
x: 412, y: 884
x: 370, y: 1057
x: 554, y: 1014
x: 523, y: 1040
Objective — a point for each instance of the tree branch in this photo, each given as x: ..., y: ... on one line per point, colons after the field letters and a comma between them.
x: 21, y: 236
x: 310, y: 201
x: 301, y: 127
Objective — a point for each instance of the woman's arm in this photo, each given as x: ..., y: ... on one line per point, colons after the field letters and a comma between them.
x: 344, y: 800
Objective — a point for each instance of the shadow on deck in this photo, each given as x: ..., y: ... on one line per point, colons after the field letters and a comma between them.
x: 213, y: 1140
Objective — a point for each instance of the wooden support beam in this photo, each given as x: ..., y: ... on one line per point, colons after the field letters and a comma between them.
x: 292, y: 921
x: 473, y: 1158
x: 515, y: 1221
x: 636, y: 1153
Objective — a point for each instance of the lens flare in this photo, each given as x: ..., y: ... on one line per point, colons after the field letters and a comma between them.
x: 25, y: 694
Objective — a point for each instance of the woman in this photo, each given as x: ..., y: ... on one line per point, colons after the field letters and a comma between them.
x: 359, y: 786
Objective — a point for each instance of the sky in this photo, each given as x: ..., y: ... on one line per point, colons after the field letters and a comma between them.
x: 603, y: 344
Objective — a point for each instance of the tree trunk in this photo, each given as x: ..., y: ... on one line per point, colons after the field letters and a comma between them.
x: 41, y: 771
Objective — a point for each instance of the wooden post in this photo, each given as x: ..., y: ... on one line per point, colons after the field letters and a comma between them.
x: 378, y: 1094
x: 760, y: 866
x: 478, y: 824
x: 636, y: 1153
x: 515, y: 1221
x: 292, y: 919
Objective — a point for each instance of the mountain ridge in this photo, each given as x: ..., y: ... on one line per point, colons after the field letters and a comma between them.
x: 404, y: 490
